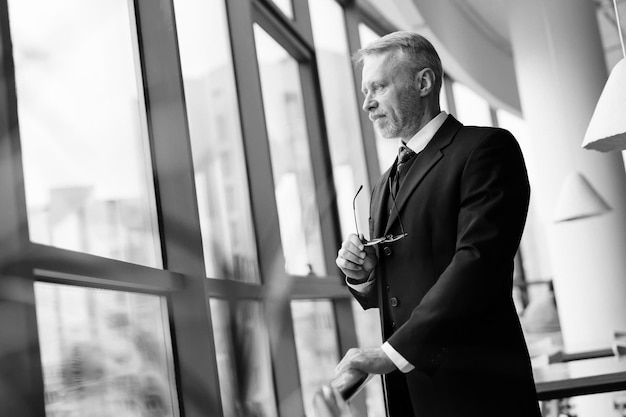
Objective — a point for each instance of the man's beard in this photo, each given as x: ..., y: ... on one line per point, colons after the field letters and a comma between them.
x: 405, y: 122
x: 389, y: 126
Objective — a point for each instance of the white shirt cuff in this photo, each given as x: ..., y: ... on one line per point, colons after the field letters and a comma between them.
x: 363, y: 287
x: 402, y: 364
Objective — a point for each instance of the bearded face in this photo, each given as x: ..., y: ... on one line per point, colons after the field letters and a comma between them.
x: 392, y: 100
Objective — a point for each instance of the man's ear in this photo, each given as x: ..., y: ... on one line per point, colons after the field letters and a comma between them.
x: 425, y: 81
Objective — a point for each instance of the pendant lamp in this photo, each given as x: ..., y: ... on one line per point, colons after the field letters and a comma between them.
x: 578, y: 200
x: 607, y: 128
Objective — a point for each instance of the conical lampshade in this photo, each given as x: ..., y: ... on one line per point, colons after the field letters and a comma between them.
x: 578, y: 200
x: 607, y: 128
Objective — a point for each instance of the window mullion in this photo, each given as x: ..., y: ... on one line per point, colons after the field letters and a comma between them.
x: 265, y: 211
x: 22, y: 374
x: 179, y: 221
x: 352, y: 20
x: 320, y: 163
x: 303, y: 20
x: 299, y: 45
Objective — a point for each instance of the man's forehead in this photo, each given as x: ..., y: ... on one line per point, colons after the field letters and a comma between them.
x: 376, y: 63
x: 376, y: 59
x: 379, y: 66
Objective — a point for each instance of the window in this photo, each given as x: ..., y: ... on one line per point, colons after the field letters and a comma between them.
x: 367, y: 34
x: 285, y: 6
x: 443, y: 98
x: 471, y: 109
x: 214, y: 127
x: 316, y: 344
x: 243, y: 359
x: 291, y: 162
x: 369, y: 334
x: 342, y: 119
x: 105, y: 353
x: 87, y: 170
x: 163, y: 174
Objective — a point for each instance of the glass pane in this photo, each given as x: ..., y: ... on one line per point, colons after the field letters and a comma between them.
x: 443, y: 98
x: 82, y: 124
x: 369, y: 334
x: 216, y: 141
x: 387, y: 148
x: 316, y: 346
x: 291, y: 161
x: 285, y: 6
x: 471, y: 109
x: 367, y: 34
x: 105, y: 353
x: 243, y: 359
x: 341, y: 111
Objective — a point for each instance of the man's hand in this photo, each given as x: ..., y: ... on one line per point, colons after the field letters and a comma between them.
x: 370, y: 360
x: 356, y: 260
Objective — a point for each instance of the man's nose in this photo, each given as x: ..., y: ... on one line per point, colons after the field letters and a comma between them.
x: 368, y: 103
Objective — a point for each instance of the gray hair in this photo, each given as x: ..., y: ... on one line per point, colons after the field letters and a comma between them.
x: 411, y: 51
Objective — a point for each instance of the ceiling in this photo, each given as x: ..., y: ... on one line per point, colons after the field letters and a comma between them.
x: 490, y: 16
x: 486, y: 20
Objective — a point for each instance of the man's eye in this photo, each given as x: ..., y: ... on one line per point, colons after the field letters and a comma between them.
x: 373, y: 89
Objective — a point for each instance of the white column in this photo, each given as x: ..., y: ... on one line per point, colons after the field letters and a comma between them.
x: 561, y: 71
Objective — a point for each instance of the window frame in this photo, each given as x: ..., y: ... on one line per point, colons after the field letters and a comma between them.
x: 182, y: 280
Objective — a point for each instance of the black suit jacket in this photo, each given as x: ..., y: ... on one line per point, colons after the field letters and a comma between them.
x: 445, y: 290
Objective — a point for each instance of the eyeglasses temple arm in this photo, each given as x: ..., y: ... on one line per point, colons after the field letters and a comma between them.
x: 356, y: 226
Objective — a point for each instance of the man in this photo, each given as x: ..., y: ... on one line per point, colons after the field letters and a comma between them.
x: 453, y: 342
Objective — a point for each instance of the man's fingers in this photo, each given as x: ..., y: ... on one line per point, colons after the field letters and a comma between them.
x: 349, y: 259
x: 353, y: 245
x: 356, y: 240
x: 349, y: 361
x: 371, y: 360
x: 351, y: 255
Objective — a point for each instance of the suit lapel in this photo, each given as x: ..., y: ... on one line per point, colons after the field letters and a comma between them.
x: 428, y: 158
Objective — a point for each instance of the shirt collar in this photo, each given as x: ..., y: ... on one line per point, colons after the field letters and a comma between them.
x: 419, y: 141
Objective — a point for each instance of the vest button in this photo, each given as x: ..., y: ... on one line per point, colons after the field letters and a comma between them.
x: 393, y: 302
x: 387, y: 251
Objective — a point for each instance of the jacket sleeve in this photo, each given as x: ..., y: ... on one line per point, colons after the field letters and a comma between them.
x: 493, y: 203
x: 367, y: 297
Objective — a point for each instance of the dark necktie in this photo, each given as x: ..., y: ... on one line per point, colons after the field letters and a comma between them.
x: 405, y: 154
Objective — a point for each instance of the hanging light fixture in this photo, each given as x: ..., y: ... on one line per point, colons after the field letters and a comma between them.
x: 578, y: 200
x: 607, y: 128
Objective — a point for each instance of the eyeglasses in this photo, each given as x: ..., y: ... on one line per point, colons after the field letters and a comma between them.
x: 386, y: 239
